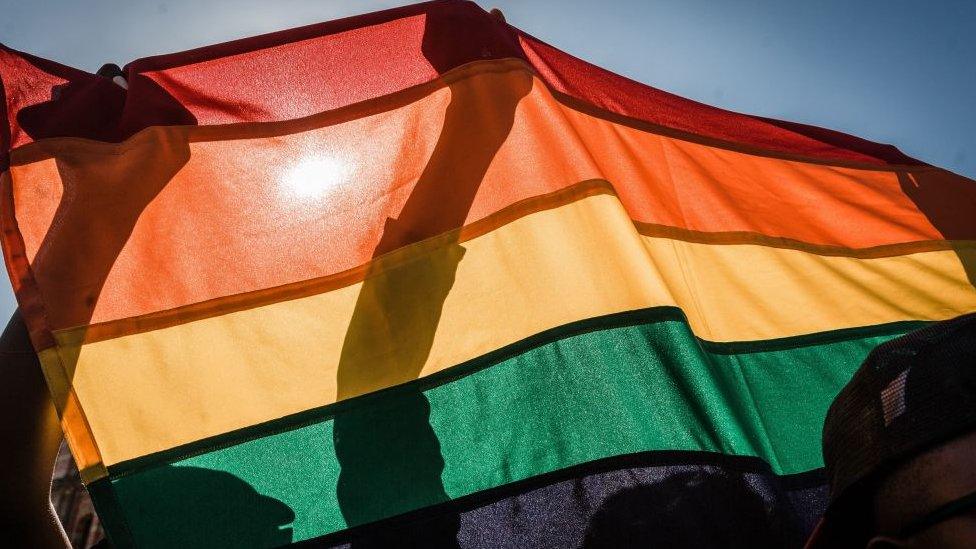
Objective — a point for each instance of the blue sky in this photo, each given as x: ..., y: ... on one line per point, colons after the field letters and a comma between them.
x: 900, y: 72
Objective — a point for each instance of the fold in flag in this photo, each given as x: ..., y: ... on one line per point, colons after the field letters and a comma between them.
x: 416, y: 277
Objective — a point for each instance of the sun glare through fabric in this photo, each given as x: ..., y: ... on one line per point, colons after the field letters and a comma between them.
x: 314, y: 177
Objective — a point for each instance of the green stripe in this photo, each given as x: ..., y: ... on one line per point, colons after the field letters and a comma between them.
x: 591, y: 395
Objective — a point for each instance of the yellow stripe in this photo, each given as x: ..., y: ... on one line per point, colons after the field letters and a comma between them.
x: 73, y: 421
x: 152, y: 391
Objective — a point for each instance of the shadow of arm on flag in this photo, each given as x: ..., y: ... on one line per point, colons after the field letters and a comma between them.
x: 100, y: 202
x: 948, y: 201
x: 398, y: 310
x: 99, y: 206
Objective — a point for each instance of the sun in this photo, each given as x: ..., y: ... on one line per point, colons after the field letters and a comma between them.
x: 314, y: 177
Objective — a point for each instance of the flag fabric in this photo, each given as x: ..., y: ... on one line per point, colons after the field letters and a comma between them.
x: 417, y: 277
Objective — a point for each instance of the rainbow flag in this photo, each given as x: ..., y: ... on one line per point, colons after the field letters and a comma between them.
x: 417, y: 277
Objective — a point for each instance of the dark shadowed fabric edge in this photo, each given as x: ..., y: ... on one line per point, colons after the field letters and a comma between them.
x: 667, y: 499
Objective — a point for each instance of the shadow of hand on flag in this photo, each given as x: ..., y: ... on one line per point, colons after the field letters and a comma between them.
x: 393, y: 460
x: 948, y: 201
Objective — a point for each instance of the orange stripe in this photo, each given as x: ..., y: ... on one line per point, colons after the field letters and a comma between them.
x: 268, y: 296
x: 218, y: 218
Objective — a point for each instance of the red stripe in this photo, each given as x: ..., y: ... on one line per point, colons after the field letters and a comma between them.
x: 623, y: 96
x: 304, y: 71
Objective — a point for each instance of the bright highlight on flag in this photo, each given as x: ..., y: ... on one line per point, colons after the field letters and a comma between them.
x: 314, y: 177
x: 519, y: 297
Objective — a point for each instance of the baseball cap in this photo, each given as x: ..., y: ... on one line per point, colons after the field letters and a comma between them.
x: 911, y: 394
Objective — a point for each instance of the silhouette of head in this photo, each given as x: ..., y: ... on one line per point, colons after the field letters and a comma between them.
x: 196, y: 507
x: 704, y: 508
